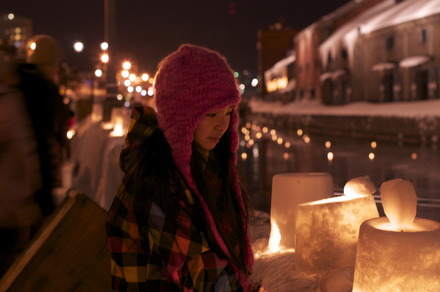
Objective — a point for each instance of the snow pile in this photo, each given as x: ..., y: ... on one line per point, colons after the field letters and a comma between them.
x: 415, y: 109
x: 277, y: 271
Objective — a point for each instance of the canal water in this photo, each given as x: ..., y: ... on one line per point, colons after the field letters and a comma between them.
x: 265, y: 151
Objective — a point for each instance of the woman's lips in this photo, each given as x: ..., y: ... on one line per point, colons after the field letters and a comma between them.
x: 214, y: 139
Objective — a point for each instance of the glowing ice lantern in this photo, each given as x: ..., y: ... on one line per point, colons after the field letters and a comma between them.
x: 118, y: 130
x: 119, y: 120
x: 289, y: 190
x: 327, y: 230
x: 398, y: 252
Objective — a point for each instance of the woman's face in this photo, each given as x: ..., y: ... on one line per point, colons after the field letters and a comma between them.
x: 212, y: 127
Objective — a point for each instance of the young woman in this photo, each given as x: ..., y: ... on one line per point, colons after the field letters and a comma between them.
x: 179, y: 220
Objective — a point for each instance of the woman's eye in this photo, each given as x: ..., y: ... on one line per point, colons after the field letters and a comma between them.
x: 229, y: 113
x: 210, y: 115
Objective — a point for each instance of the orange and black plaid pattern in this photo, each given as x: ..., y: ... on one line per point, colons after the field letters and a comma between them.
x: 176, y: 256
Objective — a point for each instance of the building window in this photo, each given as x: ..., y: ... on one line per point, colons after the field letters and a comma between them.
x: 424, y: 36
x: 389, y: 43
x: 344, y: 54
x: 329, y: 58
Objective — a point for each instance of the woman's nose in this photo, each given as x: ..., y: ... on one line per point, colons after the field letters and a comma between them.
x: 222, y: 123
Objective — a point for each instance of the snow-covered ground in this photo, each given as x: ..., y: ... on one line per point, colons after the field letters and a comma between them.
x: 415, y: 109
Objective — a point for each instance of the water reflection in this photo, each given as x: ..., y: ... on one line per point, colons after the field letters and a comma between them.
x: 275, y: 151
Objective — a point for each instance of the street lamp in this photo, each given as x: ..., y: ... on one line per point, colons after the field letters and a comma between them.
x: 105, y: 58
x: 104, y: 46
x: 78, y: 47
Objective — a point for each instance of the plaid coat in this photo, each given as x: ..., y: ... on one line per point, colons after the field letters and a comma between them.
x: 177, y: 256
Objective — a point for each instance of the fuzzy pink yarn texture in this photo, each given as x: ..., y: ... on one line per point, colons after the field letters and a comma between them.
x: 190, y: 83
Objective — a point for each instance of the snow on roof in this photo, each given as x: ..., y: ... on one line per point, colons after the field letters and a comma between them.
x: 280, y: 65
x: 382, y: 15
x: 347, y: 34
x: 405, y: 11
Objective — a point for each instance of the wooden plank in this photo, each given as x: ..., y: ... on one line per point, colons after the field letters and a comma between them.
x: 68, y: 254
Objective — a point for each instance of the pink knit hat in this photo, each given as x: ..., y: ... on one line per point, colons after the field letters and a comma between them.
x: 190, y: 83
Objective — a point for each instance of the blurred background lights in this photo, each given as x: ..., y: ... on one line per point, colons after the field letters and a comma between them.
x: 373, y: 144
x: 98, y: 73
x: 145, y: 77
x: 258, y: 135
x: 104, y: 46
x: 127, y: 82
x: 78, y: 47
x: 371, y: 156
x: 11, y: 16
x: 414, y: 156
x: 119, y: 96
x: 287, y: 145
x: 125, y: 73
x: 330, y: 156
x: 328, y: 144
x: 105, y: 58
x: 243, y: 156
x: 130, y: 88
x: 254, y: 82
x: 299, y: 132
x: 126, y: 65
x: 70, y: 134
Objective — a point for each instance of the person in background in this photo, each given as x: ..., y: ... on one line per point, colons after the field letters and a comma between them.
x: 19, y: 168
x: 49, y: 115
x: 179, y: 219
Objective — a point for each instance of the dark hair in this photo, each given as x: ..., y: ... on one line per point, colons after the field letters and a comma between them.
x: 150, y: 175
x: 222, y: 201
x: 147, y: 168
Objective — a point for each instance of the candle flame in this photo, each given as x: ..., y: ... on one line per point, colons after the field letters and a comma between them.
x: 118, y: 131
x: 275, y: 238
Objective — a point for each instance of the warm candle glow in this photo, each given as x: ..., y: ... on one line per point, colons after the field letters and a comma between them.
x: 404, y: 261
x: 327, y: 232
x: 118, y: 129
x: 275, y: 238
x: 291, y: 189
x: 359, y: 186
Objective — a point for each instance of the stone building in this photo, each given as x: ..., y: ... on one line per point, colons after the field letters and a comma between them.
x: 397, y: 54
x: 367, y: 50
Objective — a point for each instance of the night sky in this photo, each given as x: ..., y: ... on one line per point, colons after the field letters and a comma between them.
x: 146, y: 31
